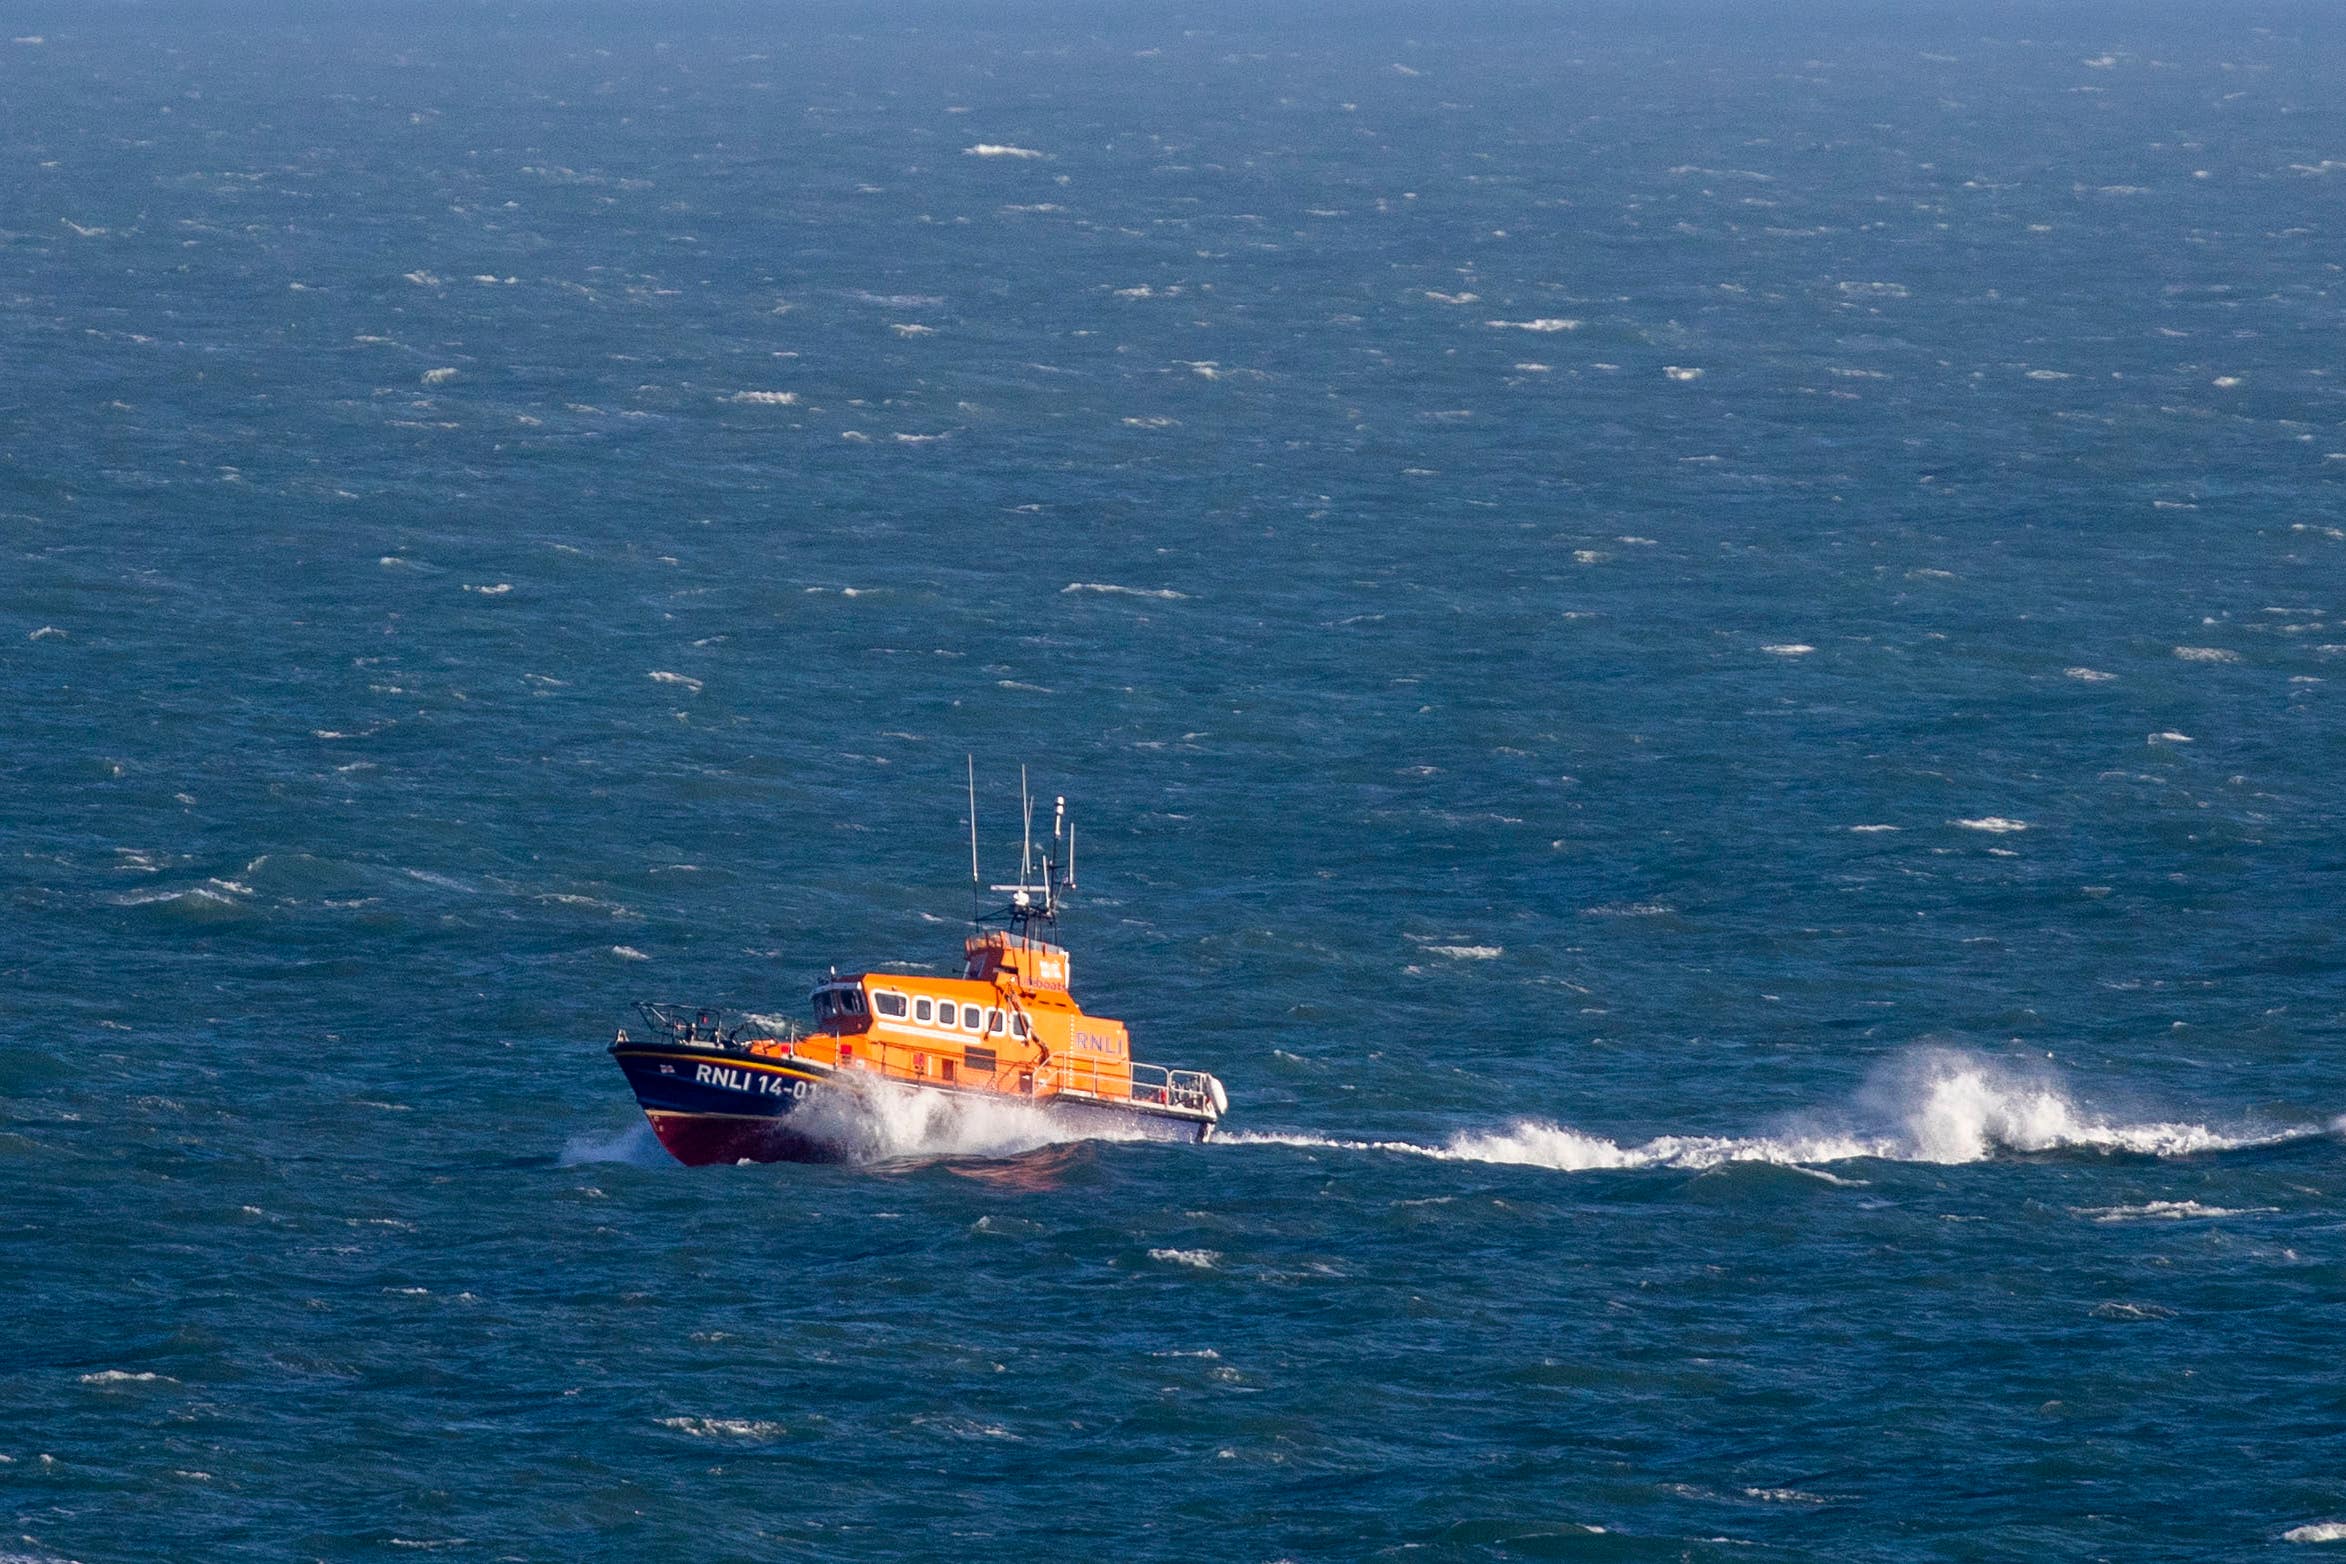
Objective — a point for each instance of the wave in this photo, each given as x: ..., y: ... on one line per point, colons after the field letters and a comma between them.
x: 1943, y: 1107
x: 2169, y: 1211
x: 746, y: 1428
x: 1201, y: 1259
x: 879, y: 1121
x: 1110, y: 589
x: 635, y: 1145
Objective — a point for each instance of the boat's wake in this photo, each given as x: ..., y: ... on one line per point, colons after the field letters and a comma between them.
x: 1940, y: 1106
x: 1937, y: 1106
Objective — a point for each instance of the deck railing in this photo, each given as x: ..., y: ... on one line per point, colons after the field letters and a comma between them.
x: 1141, y: 1083
x: 1117, y: 1080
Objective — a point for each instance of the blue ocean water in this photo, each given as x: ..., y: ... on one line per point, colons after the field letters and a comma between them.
x: 1700, y: 651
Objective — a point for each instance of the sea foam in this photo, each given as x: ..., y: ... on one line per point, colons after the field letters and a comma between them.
x: 873, y: 1120
x: 1939, y: 1106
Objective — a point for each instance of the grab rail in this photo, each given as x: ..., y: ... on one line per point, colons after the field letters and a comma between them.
x: 1136, y: 1082
x: 707, y: 1026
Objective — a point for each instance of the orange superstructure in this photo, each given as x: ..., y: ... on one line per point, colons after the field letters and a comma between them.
x: 1008, y: 1024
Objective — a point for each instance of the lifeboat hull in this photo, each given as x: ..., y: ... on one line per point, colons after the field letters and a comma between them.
x: 711, y: 1106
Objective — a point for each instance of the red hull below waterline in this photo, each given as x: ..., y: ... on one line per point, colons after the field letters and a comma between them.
x: 706, y: 1140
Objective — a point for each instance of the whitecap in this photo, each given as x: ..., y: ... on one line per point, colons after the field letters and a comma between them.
x: 1468, y: 952
x: 2118, y: 1310
x: 629, y: 953
x: 2316, y: 1531
x: 2088, y: 675
x: 194, y: 896
x: 723, y: 1427
x: 658, y: 676
x: 1940, y: 1106
x: 1790, y: 649
x: 1202, y: 1259
x: 1544, y: 324
x: 438, y: 377
x: 2169, y: 1211
x: 1111, y: 589
x: 2206, y: 654
x: 997, y: 149
x: 1996, y: 825
x: 764, y: 398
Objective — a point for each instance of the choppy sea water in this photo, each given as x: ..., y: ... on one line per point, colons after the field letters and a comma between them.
x: 1701, y: 654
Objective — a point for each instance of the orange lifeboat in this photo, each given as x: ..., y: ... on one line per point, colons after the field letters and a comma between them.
x: 720, y: 1086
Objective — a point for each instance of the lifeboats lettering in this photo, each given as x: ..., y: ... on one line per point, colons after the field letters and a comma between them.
x: 747, y: 1081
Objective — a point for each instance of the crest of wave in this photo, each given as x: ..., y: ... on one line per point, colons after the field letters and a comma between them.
x: 1959, y: 1108
x: 1939, y: 1105
x: 868, y: 1119
x: 1529, y: 1143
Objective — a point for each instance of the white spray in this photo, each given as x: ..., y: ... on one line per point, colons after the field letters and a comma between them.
x: 1939, y: 1106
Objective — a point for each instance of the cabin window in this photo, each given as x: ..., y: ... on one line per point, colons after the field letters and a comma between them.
x: 971, y: 1019
x: 979, y: 1060
x: 923, y: 1010
x: 1018, y: 1025
x: 853, y: 1000
x: 993, y: 1020
x: 889, y: 1005
x: 822, y: 1004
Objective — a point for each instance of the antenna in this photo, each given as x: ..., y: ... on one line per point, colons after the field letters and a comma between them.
x: 973, y: 868
x: 1071, y: 858
x: 1058, y: 817
x: 1026, y: 855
